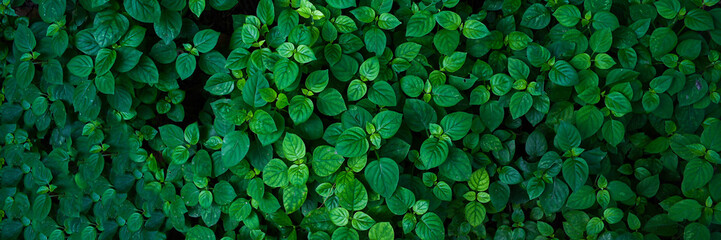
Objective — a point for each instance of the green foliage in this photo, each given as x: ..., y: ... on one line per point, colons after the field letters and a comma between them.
x: 360, y: 119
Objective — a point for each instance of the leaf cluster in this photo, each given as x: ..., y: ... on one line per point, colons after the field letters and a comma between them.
x: 360, y: 119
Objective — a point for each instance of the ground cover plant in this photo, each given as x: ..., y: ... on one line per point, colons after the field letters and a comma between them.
x: 367, y: 119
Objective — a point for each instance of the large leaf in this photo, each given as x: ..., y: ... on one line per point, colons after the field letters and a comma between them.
x: 235, y: 147
x: 430, y: 226
x: 382, y: 176
x: 352, y: 143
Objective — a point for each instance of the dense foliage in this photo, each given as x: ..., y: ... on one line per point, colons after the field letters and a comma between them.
x: 368, y: 119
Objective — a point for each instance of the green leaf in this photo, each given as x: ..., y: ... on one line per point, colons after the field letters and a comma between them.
x: 582, y: 198
x: 433, y: 152
x: 285, y: 73
x: 345, y: 233
x: 490, y: 143
x: 454, y: 62
x: 293, y: 147
x: 475, y: 213
x: 104, y: 61
x: 382, y: 94
x: 109, y: 27
x: 698, y: 20
x: 375, y: 41
x: 240, y: 209
x: 192, y: 134
x: 331, y: 102
x: 345, y: 24
x: 408, y: 50
x: 387, y: 123
x: 613, y: 131
x: 370, y: 68
x: 509, y: 175
x: 172, y: 135
x: 382, y: 176
x: 135, y: 222
x: 364, y: 14
x: 604, y: 61
x: 536, y: 17
x: 352, y: 143
x: 668, y: 9
x: 352, y: 195
x: 39, y: 106
x: 474, y: 29
x: 196, y: 6
x: 430, y: 227
x: 567, y: 15
x: 180, y: 155
x: 535, y: 187
x: 518, y: 69
x: 142, y: 10
x: 563, y: 74
x: 266, y: 11
x: 601, y: 41
x: 275, y: 173
x: 317, y: 81
x: 575, y: 172
x: 711, y: 136
x: 689, y: 48
x: 52, y: 11
x: 620, y: 191
x: 663, y: 40
x: 341, y: 4
x: 618, y: 104
x: 686, y: 209
x: 696, y: 174
x: 52, y: 72
x: 326, y: 160
x: 457, y: 166
x: 339, y: 216
x: 205, y: 40
x: 169, y: 25
x: 420, y: 24
x: 185, y: 65
x: 200, y: 233
x: 567, y: 137
x: 104, y: 83
x: 401, y: 201
x: 447, y: 41
x: 456, y: 125
x: 388, y: 22
x: 696, y: 231
x: 145, y: 71
x: 81, y: 65
x: 479, y: 180
x: 25, y: 72
x: 520, y: 103
x: 381, y: 231
x: 492, y: 114
x: 41, y: 207
x: 235, y: 147
x: 24, y: 40
x: 650, y: 101
x: 219, y: 84
x: 300, y: 109
x: 448, y: 20
x: 443, y: 191
x: 293, y: 197
x: 446, y: 96
x: 223, y: 193
x: 605, y: 20
x: 303, y: 54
